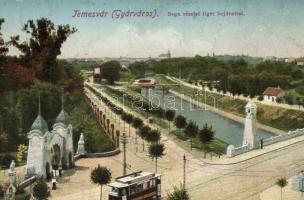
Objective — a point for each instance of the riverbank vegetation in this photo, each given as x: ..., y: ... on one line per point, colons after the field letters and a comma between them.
x: 276, y: 117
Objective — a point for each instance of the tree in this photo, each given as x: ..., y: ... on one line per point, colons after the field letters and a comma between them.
x: 180, y: 121
x: 191, y: 131
x: 180, y: 193
x: 143, y: 132
x: 129, y: 119
x: 101, y: 176
x: 169, y: 114
x: 27, y: 104
x: 124, y: 118
x: 3, y: 48
x: 137, y: 123
x: 156, y: 150
x: 110, y: 71
x: 3, y: 141
x: 153, y: 136
x: 205, y: 136
x: 41, y: 51
x: 21, y: 152
x: 41, y: 191
x: 282, y: 182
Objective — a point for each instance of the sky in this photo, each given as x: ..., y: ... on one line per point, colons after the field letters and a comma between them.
x: 266, y: 28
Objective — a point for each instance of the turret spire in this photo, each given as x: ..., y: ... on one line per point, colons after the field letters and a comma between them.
x: 62, y: 102
x: 39, y: 123
x: 39, y: 106
x: 63, y: 116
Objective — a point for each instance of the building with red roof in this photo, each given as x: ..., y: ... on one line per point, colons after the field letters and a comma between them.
x: 271, y: 94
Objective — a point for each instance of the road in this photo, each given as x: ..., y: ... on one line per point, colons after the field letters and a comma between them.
x: 243, y: 181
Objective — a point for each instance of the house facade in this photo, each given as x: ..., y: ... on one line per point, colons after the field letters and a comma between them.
x: 300, y: 61
x: 271, y: 94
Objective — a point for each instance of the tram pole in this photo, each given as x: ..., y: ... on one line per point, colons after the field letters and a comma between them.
x: 184, y: 178
x: 124, y: 142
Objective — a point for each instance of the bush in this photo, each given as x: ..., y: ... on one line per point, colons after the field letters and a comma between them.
x: 179, y: 194
x: 180, y: 121
x: 41, y: 191
x: 260, y: 98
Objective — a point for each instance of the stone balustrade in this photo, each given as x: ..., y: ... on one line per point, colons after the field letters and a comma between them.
x: 279, y: 138
x: 233, y: 151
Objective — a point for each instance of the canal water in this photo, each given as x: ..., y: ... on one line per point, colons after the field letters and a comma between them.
x: 226, y: 129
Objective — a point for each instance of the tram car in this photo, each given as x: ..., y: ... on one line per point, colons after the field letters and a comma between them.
x: 136, y: 186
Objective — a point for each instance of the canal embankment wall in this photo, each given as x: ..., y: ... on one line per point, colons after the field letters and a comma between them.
x: 226, y: 114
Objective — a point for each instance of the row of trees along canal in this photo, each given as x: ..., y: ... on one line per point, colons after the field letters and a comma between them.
x: 202, y: 139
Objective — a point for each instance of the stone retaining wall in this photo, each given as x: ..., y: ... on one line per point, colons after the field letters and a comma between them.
x: 97, y: 155
x: 102, y: 116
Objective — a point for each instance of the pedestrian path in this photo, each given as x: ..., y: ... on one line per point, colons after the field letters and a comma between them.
x: 274, y: 193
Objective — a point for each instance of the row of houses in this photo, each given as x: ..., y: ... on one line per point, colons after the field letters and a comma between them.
x: 298, y: 61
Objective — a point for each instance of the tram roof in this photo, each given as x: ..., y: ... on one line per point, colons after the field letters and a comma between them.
x: 136, y: 177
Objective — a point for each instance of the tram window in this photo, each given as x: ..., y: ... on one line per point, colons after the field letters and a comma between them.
x: 132, y: 189
x: 152, y: 182
x: 145, y: 185
x: 121, y: 192
x: 114, y: 190
x: 139, y: 188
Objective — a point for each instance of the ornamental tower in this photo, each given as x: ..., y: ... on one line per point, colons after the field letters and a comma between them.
x: 36, y: 147
x: 64, y: 128
x: 250, y: 131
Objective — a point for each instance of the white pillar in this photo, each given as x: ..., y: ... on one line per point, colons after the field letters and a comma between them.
x: 250, y: 131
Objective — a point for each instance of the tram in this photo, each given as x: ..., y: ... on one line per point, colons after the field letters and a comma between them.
x: 136, y: 186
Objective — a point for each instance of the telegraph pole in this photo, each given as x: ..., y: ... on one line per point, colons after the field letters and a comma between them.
x: 184, y: 180
x: 124, y: 142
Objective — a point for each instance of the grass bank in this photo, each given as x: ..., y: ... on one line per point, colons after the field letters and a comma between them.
x: 276, y: 117
x: 216, y: 145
